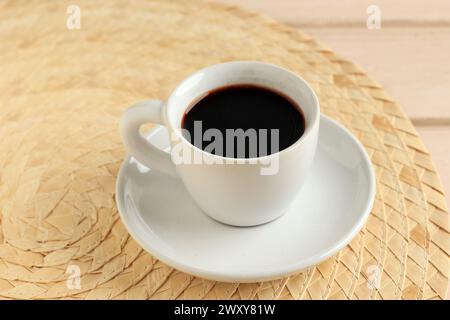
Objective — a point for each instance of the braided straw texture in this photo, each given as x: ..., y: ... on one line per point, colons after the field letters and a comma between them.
x: 62, y: 93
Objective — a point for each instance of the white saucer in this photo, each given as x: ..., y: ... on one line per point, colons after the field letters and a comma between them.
x: 329, y: 211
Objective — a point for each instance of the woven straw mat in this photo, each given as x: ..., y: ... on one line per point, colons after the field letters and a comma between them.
x: 62, y: 94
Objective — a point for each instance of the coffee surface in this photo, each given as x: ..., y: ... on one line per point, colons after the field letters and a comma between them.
x: 253, y: 109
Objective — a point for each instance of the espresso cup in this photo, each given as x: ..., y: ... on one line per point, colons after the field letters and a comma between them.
x: 239, y: 192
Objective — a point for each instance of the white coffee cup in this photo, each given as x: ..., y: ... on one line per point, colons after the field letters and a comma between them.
x: 239, y: 193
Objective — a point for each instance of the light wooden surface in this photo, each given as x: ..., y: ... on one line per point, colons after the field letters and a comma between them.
x: 409, y: 55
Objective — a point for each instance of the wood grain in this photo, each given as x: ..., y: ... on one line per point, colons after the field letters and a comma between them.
x: 410, y: 63
x: 351, y: 12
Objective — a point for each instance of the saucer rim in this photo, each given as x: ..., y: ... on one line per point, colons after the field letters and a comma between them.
x: 264, y: 274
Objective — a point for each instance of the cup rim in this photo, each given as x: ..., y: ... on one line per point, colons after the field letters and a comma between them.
x: 308, y: 127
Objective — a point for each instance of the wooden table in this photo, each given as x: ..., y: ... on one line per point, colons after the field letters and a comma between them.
x: 408, y: 55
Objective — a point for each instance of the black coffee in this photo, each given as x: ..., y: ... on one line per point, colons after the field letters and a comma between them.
x: 256, y: 110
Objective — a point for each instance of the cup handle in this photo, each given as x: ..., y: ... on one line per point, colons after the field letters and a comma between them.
x: 136, y: 145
